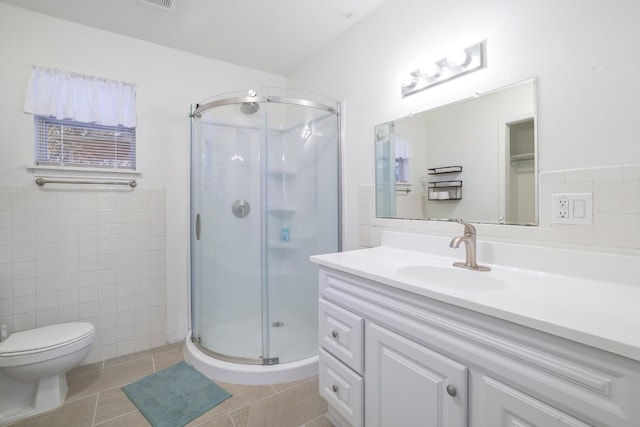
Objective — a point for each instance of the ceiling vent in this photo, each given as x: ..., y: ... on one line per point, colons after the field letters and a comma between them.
x: 169, y: 5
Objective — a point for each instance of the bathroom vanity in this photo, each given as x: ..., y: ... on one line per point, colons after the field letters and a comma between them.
x: 406, y: 339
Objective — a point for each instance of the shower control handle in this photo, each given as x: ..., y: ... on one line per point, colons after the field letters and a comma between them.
x: 334, y: 334
x: 241, y: 208
x: 197, y: 226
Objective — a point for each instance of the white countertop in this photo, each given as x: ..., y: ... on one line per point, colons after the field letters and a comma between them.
x: 594, y: 311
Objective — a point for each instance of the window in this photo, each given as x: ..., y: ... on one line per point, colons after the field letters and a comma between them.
x: 78, y: 144
x: 82, y: 121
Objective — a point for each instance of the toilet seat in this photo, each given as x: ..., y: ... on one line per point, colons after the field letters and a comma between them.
x: 45, y: 338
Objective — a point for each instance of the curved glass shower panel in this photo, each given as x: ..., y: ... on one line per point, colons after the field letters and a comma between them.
x: 264, y: 198
x: 302, y: 220
x: 227, y: 256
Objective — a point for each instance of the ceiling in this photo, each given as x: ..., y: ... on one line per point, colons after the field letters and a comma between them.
x: 270, y: 35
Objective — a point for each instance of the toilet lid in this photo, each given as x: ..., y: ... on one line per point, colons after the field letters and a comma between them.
x: 44, y: 338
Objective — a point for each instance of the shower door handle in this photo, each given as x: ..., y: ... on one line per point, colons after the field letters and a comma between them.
x: 197, y: 226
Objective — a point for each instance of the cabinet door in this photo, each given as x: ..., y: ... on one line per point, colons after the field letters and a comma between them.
x: 407, y: 384
x: 508, y: 407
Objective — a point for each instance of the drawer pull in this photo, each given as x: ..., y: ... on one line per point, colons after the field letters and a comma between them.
x: 334, y: 334
x: 452, y: 390
x: 334, y: 388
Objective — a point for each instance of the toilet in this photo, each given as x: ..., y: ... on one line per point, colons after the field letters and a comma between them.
x: 33, y: 364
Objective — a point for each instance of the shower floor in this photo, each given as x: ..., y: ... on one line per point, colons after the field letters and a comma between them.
x: 291, y: 341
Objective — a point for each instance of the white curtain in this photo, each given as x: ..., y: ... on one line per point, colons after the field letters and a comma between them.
x: 82, y: 98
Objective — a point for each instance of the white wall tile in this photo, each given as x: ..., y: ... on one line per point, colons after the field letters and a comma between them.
x: 46, y: 201
x: 23, y: 235
x: 24, y: 304
x: 87, y: 201
x: 23, y: 253
x: 5, y: 290
x: 23, y: 270
x: 46, y: 301
x: 6, y: 219
x: 68, y: 314
x: 68, y: 281
x: 60, y: 265
x: 21, y: 201
x: 606, y: 173
x: 23, y: 321
x: 45, y: 284
x: 46, y: 218
x: 46, y: 251
x: 617, y: 197
x: 631, y: 171
x: 5, y: 200
x: 67, y: 201
x: 46, y: 234
x: 46, y: 317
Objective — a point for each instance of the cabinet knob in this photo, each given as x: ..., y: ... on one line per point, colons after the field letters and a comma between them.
x: 334, y: 388
x: 452, y: 390
x: 334, y: 334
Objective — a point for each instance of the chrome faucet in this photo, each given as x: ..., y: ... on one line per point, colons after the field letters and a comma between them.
x: 469, y: 239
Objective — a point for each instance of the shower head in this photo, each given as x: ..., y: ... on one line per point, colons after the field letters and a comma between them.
x: 249, y: 108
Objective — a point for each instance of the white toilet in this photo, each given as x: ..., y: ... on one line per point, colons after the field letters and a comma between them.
x: 33, y: 364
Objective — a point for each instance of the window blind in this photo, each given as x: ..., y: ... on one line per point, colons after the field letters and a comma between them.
x: 71, y: 143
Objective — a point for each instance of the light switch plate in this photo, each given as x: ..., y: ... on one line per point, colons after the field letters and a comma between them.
x: 572, y: 208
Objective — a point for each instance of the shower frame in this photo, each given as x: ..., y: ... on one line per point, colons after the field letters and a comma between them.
x: 197, y: 110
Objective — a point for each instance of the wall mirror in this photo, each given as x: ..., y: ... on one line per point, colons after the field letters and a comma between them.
x: 472, y: 160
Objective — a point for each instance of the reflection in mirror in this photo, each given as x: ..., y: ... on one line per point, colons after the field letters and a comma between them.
x: 473, y: 160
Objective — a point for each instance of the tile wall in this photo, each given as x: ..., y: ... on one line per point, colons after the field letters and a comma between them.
x: 85, y: 254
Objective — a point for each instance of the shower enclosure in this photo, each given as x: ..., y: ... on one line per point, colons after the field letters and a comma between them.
x: 264, y: 197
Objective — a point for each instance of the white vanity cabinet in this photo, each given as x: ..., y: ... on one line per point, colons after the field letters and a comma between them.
x: 390, y: 358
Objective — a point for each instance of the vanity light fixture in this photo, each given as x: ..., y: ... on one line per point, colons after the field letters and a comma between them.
x: 454, y: 65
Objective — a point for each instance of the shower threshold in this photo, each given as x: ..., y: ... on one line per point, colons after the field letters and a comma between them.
x: 235, y: 359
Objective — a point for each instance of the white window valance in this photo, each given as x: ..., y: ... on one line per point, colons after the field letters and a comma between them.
x: 89, y: 99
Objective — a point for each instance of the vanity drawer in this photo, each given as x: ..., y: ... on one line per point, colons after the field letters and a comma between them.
x: 342, y: 388
x: 341, y: 334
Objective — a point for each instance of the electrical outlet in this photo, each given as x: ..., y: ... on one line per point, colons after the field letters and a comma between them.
x: 571, y: 208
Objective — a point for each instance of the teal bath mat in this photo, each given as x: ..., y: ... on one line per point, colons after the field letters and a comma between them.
x: 174, y: 396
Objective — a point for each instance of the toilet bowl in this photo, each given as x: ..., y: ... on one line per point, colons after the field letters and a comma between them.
x: 33, y: 364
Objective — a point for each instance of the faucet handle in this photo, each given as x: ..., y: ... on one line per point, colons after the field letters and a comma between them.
x: 468, y: 228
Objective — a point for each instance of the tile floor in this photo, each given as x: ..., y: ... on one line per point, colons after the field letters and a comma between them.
x: 95, y: 398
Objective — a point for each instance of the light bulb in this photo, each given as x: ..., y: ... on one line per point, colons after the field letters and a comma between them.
x: 430, y: 71
x: 406, y: 80
x: 457, y: 59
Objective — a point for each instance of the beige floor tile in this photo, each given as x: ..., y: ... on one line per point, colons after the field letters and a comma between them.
x: 291, y: 408
x: 106, y: 379
x: 128, y: 358
x: 168, y: 358
x: 76, y: 414
x: 112, y: 404
x: 134, y: 419
x: 243, y: 395
x: 221, y: 421
x: 86, y: 368
x: 321, y: 421
x: 284, y: 386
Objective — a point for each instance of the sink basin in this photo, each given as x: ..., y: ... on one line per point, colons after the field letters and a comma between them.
x: 453, y: 277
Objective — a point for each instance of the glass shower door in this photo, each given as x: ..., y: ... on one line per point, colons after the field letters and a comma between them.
x: 227, y: 255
